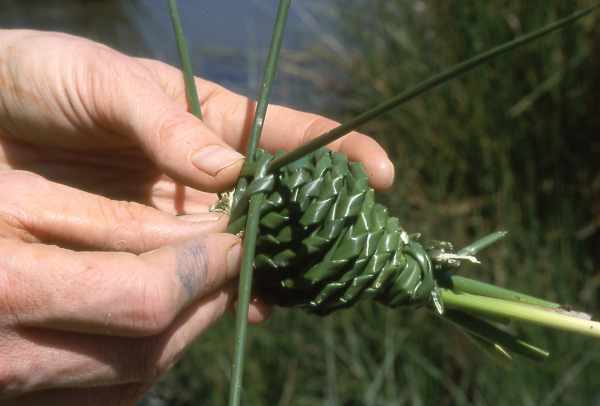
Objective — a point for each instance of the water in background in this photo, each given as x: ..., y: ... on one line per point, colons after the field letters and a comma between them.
x: 228, y: 39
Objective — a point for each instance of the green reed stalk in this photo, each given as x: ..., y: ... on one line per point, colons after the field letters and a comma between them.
x: 473, y: 305
x: 268, y: 77
x: 467, y: 285
x: 256, y: 202
x: 186, y: 63
x: 431, y: 83
x: 554, y: 318
x: 244, y: 292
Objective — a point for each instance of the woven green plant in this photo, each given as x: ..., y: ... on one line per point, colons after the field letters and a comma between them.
x: 316, y: 239
x: 324, y: 243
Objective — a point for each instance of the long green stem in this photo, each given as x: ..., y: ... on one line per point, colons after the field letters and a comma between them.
x: 547, y: 317
x: 269, y: 75
x: 467, y: 285
x: 421, y: 88
x: 186, y: 64
x: 256, y: 202
x: 244, y: 291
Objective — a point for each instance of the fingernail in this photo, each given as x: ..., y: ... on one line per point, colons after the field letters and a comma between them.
x: 212, y: 159
x: 234, y: 257
x: 201, y: 217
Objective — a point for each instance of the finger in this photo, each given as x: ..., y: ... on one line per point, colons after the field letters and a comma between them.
x: 45, y: 359
x: 258, y: 310
x: 179, y: 143
x: 111, y: 293
x: 175, y: 198
x: 230, y: 115
x: 303, y: 127
x: 51, y: 212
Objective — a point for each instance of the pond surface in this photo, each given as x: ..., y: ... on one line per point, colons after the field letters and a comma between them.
x: 228, y: 39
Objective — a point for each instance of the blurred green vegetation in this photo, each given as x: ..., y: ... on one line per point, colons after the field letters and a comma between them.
x: 514, y: 145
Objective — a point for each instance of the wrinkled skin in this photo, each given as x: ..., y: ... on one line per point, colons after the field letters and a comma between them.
x: 110, y: 263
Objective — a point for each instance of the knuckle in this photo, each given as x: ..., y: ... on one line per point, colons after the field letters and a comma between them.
x: 91, y: 82
x: 16, y: 208
x: 171, y: 128
x: 154, y: 310
x: 212, y: 105
x: 236, y: 107
x: 125, y: 221
x: 9, y: 298
x: 122, y: 211
x: 97, y: 88
x: 315, y: 126
x: 156, y: 320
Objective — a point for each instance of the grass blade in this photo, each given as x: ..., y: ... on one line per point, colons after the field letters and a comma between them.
x: 186, y: 64
x: 431, y: 83
x: 475, y: 247
x: 256, y: 202
x: 467, y: 285
x: 554, y: 318
x: 501, y: 341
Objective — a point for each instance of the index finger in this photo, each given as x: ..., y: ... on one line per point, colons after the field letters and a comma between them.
x: 230, y: 116
x: 287, y: 129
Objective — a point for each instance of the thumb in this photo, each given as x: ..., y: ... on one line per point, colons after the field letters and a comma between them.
x: 187, y: 150
x: 179, y: 143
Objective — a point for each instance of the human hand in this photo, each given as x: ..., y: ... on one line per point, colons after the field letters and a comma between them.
x: 85, y: 115
x: 98, y: 327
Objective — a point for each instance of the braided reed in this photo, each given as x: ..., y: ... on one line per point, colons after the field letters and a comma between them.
x: 324, y: 243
